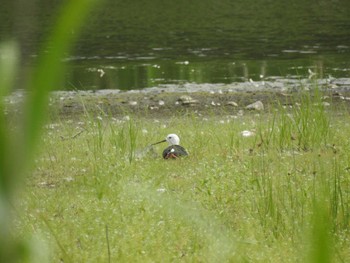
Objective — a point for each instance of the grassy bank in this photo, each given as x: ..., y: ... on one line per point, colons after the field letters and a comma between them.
x: 97, y: 193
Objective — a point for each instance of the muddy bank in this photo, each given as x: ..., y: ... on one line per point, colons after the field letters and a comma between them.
x: 192, y: 98
x: 162, y: 102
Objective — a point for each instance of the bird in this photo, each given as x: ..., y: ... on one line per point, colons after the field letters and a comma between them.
x: 174, y: 150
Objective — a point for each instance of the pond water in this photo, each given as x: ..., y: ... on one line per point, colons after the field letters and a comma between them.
x: 139, y: 44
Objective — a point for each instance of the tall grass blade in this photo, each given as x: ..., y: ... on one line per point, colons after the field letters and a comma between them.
x: 16, y: 152
x: 9, y: 60
x: 321, y: 241
x: 9, y: 55
x: 50, y: 68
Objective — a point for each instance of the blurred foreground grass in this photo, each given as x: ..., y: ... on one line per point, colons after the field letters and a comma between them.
x: 17, y: 146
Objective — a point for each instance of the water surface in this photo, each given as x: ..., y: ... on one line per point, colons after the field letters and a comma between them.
x: 139, y: 44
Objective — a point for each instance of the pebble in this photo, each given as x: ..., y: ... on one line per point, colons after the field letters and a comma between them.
x: 258, y: 105
x: 232, y: 103
x: 187, y: 100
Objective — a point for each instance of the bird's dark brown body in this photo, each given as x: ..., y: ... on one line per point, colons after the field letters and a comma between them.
x: 174, y: 151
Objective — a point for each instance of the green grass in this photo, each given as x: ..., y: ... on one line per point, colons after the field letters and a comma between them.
x: 279, y: 196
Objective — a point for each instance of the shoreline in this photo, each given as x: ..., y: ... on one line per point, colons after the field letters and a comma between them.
x: 201, y: 99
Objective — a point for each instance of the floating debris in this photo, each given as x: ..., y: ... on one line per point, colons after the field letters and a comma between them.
x: 183, y: 62
x: 101, y: 71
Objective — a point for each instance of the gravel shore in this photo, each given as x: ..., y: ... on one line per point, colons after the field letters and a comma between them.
x: 201, y: 99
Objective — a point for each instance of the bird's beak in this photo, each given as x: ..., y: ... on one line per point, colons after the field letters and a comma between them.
x: 158, y: 142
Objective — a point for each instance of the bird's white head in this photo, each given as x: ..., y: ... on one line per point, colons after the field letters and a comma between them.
x: 173, y: 139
